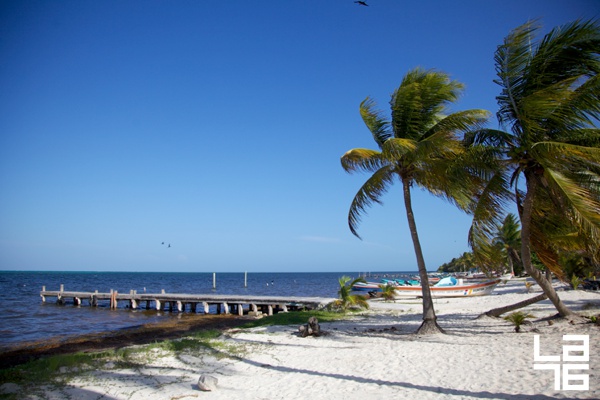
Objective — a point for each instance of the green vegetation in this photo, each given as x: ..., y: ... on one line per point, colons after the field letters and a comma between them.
x: 507, y: 242
x: 547, y: 159
x: 346, y: 299
x: 57, y: 370
x: 464, y: 263
x: 388, y: 292
x: 420, y: 146
x: 579, y: 265
x: 506, y: 245
x: 517, y: 318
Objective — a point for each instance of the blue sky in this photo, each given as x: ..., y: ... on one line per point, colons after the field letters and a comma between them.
x: 217, y: 127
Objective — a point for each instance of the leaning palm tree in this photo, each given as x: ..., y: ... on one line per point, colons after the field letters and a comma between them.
x: 420, y: 145
x: 550, y: 149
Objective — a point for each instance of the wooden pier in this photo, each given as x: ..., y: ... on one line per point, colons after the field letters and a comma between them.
x: 225, y: 304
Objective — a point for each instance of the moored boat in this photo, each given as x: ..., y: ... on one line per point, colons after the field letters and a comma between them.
x: 447, y: 287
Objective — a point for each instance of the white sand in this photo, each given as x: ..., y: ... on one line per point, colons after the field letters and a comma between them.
x: 372, y: 356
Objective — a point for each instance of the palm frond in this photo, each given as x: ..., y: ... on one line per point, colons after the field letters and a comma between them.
x: 362, y: 160
x: 547, y: 107
x: 420, y: 101
x: 369, y: 193
x: 489, y: 210
x: 490, y: 137
x: 583, y: 201
x: 460, y: 123
x: 576, y: 107
x: 568, y: 50
x: 375, y: 122
x: 512, y: 60
x: 467, y: 174
x: 397, y: 149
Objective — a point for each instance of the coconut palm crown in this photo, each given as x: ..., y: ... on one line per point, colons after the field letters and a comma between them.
x: 550, y: 147
x: 420, y: 146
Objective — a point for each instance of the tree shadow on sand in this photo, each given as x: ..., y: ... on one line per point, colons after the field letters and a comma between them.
x: 460, y: 393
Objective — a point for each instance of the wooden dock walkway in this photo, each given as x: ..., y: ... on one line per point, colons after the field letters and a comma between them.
x: 237, y: 304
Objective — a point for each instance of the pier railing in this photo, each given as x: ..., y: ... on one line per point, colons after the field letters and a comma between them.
x: 238, y: 304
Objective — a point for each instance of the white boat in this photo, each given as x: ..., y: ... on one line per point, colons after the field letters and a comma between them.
x: 450, y: 287
x: 446, y: 287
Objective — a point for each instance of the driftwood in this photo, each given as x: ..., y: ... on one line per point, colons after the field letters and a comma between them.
x: 311, y: 328
x: 496, y: 312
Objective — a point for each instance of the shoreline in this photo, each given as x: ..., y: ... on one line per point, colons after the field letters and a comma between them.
x: 375, y: 353
x: 20, y: 353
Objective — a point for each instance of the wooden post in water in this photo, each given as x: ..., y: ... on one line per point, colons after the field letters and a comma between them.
x: 113, y: 299
x: 246, y: 279
x: 214, y: 280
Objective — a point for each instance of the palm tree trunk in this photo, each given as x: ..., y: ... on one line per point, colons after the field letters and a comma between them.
x: 496, y: 312
x: 541, y: 280
x: 510, y: 265
x: 514, y: 258
x: 429, y: 324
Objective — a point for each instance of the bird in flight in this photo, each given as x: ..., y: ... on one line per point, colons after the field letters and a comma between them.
x: 169, y: 245
x: 362, y: 3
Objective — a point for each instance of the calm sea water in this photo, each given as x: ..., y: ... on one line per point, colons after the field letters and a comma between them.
x: 26, y: 318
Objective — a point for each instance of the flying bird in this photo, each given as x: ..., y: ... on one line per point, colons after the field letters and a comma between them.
x: 169, y: 245
x: 362, y: 3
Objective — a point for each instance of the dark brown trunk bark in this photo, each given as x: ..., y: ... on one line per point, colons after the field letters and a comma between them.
x: 541, y: 280
x: 429, y: 324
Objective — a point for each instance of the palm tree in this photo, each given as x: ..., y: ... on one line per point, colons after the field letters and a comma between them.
x: 346, y: 298
x: 388, y: 292
x: 420, y: 145
x: 518, y: 318
x: 549, y: 102
x: 508, y: 238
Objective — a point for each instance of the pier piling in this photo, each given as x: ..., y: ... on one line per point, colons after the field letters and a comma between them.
x: 224, y: 304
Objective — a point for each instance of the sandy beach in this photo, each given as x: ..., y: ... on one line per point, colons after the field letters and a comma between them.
x: 372, y: 355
